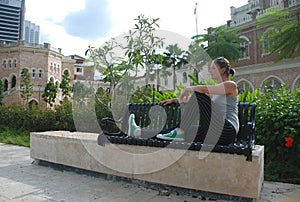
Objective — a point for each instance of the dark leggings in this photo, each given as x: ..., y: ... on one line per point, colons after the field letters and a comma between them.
x: 212, y: 126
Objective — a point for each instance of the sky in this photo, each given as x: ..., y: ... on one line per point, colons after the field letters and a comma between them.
x: 74, y: 25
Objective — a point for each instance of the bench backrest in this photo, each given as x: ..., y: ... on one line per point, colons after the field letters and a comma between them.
x: 153, y: 116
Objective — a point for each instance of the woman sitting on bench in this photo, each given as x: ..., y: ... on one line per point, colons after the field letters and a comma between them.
x: 215, y: 106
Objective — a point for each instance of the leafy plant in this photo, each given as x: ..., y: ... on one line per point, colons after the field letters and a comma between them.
x: 247, y: 96
x: 278, y: 129
x: 50, y: 93
x: 1, y: 92
x: 282, y: 33
x: 65, y: 85
x: 221, y: 41
x: 26, y: 87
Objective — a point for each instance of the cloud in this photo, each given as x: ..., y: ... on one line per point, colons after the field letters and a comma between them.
x: 90, y: 23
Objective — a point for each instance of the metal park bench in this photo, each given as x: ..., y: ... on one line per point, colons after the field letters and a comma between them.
x: 244, y: 143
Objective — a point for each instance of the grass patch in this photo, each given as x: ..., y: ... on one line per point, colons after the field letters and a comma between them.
x: 14, y: 136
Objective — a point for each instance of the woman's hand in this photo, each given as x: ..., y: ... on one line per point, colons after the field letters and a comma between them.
x: 169, y: 101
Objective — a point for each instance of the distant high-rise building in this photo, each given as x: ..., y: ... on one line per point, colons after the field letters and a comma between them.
x: 31, y: 32
x: 11, y: 20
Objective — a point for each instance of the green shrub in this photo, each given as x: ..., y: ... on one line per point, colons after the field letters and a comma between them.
x: 278, y: 129
x: 36, y: 119
x: 14, y: 136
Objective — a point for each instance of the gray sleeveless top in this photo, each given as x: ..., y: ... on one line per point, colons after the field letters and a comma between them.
x: 228, y: 106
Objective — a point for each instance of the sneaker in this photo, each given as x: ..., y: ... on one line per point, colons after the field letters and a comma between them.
x: 173, y: 135
x: 133, y: 129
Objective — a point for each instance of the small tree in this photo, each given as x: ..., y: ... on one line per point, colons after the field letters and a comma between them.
x: 142, y: 43
x: 65, y: 85
x: 1, y: 92
x: 50, y: 93
x: 26, y: 87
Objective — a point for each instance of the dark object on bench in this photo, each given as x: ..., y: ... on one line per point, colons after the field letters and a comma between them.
x: 244, y: 143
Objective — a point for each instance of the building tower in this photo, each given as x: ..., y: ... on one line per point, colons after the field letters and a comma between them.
x: 31, y: 33
x: 12, y: 14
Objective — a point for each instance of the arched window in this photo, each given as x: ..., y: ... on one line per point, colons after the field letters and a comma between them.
x: 271, y: 83
x: 33, y: 103
x: 4, y: 64
x: 40, y: 74
x: 33, y: 73
x: 5, y: 85
x: 51, y: 66
x: 13, y: 81
x: 296, y: 83
x: 244, y: 47
x: 243, y: 85
x: 52, y: 79
x: 184, y: 75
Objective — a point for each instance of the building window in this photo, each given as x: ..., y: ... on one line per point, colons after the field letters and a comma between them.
x: 184, y: 80
x: 266, y: 47
x: 15, y: 63
x: 40, y: 74
x: 243, y: 86
x: 55, y: 68
x: 9, y: 64
x: 51, y: 67
x: 271, y: 83
x: 244, y: 47
x: 5, y: 85
x: 33, y: 73
x: 4, y: 64
x: 13, y: 81
x: 79, y: 70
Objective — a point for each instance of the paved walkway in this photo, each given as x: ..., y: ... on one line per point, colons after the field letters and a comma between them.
x: 21, y: 180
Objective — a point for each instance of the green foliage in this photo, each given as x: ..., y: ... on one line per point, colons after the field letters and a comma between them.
x: 277, y: 120
x: 147, y: 94
x: 50, y: 93
x: 110, y: 65
x: 142, y: 43
x: 1, y: 92
x: 65, y: 85
x: 223, y: 41
x: 81, y: 91
x: 144, y: 95
x: 36, y: 119
x: 247, y: 96
x: 14, y: 136
x: 282, y: 33
x: 26, y: 87
x: 196, y: 82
